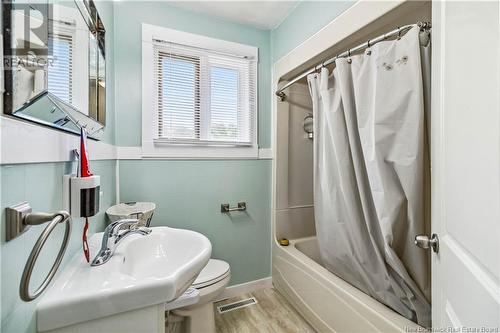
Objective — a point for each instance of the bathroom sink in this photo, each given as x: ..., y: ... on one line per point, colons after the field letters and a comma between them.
x: 144, y: 271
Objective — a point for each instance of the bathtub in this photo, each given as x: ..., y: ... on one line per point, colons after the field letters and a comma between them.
x: 326, y: 301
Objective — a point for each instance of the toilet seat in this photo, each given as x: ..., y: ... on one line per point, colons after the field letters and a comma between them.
x: 213, y: 272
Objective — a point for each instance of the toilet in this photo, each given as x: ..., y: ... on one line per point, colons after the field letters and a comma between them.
x: 211, y: 282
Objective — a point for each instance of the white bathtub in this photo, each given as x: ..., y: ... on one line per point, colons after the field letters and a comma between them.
x: 327, y: 302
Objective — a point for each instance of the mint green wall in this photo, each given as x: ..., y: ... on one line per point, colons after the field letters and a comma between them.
x: 41, y: 185
x: 128, y: 18
x: 303, y: 22
x: 188, y: 195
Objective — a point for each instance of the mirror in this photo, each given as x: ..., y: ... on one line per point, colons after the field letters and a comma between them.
x: 54, y: 64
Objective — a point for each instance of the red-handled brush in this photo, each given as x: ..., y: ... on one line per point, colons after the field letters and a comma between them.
x: 84, y: 172
x: 84, y: 158
x: 86, y: 250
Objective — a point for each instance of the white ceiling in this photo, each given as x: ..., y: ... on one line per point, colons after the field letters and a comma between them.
x: 259, y: 14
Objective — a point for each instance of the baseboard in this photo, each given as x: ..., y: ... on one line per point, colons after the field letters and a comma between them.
x: 246, y: 287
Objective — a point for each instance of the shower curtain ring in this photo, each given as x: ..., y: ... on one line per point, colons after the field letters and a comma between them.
x: 349, y: 60
x: 320, y: 67
x: 368, y: 45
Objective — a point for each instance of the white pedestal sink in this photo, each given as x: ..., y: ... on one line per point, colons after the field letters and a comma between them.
x: 127, y: 293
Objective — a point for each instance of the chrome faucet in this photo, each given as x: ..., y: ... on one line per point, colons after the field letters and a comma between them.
x: 113, y: 234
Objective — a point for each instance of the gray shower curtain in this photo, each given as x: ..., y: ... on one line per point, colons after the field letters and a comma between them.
x: 371, y: 171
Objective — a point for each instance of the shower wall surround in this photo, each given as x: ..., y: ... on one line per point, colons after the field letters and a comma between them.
x: 41, y: 185
x: 294, y: 166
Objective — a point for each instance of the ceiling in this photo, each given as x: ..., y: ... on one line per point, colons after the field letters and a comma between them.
x: 259, y: 14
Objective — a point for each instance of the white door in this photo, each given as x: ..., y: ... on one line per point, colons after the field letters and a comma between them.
x: 466, y: 165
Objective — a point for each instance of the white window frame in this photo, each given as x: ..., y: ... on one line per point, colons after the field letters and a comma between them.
x: 149, y: 97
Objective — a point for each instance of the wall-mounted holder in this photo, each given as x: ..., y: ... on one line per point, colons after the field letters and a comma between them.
x: 308, y: 126
x: 14, y: 220
x: 225, y: 208
x: 81, y: 195
x: 19, y: 219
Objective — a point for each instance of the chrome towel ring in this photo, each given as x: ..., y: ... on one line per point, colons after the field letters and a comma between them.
x: 36, y: 219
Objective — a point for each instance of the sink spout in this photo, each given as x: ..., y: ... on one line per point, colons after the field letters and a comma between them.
x: 113, y: 234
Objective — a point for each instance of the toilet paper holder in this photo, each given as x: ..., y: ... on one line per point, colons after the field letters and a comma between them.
x: 225, y: 208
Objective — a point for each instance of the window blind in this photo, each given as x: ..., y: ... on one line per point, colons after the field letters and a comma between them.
x: 60, y: 75
x: 204, y: 97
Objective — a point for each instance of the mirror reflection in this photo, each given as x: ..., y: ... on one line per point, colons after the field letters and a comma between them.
x: 57, y: 66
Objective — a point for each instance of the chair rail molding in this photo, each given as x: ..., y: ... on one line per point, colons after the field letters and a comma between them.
x: 136, y: 153
x: 23, y: 142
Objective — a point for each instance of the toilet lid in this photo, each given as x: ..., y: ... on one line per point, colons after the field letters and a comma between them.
x: 213, y: 272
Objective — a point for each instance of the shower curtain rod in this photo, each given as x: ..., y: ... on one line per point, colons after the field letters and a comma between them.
x: 396, y: 32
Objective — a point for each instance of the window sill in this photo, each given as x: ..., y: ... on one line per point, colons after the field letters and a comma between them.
x: 151, y: 150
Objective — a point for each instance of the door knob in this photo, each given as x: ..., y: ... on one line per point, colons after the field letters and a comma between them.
x: 422, y: 241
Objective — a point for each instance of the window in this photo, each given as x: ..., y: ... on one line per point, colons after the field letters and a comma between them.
x: 198, y: 92
x: 60, y: 77
x: 178, y: 97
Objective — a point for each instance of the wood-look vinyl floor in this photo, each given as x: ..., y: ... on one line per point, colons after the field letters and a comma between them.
x: 272, y: 314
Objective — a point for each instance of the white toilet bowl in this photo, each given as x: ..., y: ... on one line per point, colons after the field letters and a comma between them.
x: 211, y: 282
